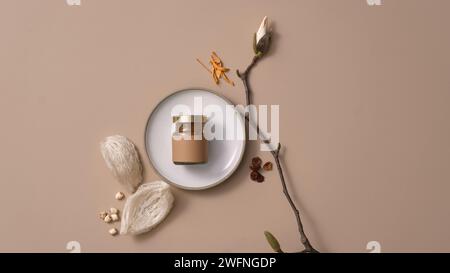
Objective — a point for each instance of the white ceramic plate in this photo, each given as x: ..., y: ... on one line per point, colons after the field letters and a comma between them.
x: 224, y: 156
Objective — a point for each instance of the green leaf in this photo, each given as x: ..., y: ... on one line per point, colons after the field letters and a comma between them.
x: 273, y: 242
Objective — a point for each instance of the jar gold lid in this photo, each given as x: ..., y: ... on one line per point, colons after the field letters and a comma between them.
x: 189, y: 118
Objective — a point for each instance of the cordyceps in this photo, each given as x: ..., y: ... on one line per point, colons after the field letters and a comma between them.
x: 217, y: 70
x: 122, y: 159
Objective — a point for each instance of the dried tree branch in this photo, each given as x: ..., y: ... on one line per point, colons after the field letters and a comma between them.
x: 244, y: 76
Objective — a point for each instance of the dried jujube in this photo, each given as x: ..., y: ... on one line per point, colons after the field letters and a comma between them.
x: 255, y: 167
x: 256, y: 161
x: 260, y: 178
x: 254, y: 175
x: 268, y: 166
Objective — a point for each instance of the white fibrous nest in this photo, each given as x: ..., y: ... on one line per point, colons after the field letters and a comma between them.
x: 122, y: 159
x: 146, y: 208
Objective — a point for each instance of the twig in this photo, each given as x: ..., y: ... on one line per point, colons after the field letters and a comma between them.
x: 276, y: 154
x: 304, y: 239
x: 244, y: 77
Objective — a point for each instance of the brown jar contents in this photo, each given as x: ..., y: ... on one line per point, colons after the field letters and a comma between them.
x: 188, y: 143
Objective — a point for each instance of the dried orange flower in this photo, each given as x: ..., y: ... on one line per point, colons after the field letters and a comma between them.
x: 217, y: 70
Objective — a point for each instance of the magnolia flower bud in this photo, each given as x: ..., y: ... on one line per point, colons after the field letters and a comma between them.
x: 273, y: 242
x: 262, y: 30
x: 261, y: 42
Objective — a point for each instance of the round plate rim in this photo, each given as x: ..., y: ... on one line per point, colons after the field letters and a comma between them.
x: 178, y: 185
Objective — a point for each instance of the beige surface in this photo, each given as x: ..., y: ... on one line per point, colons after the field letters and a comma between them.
x: 364, y: 102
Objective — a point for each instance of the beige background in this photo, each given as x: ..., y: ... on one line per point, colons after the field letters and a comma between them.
x: 364, y: 97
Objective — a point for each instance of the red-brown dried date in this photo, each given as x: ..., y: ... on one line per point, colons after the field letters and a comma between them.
x: 254, y: 175
x: 260, y: 178
x: 256, y: 161
x: 268, y: 166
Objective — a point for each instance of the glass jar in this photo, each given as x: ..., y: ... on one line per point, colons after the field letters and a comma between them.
x: 189, y: 145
